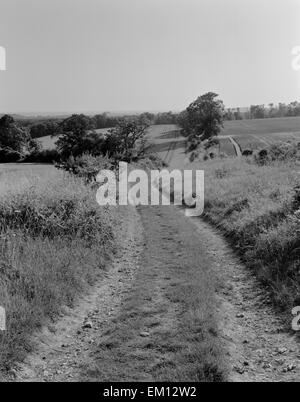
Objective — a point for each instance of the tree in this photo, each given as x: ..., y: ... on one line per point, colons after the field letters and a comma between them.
x: 43, y: 129
x: 229, y: 115
x: 104, y: 120
x: 257, y: 111
x: 12, y: 137
x: 237, y: 114
x: 146, y: 118
x: 15, y: 141
x: 77, y: 137
x: 203, y: 118
x: 126, y: 141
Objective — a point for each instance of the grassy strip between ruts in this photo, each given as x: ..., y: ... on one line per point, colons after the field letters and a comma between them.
x: 55, y: 241
x: 166, y: 328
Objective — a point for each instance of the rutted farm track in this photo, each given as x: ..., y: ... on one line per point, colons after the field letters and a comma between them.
x: 176, y: 304
x: 144, y: 321
x: 258, y: 343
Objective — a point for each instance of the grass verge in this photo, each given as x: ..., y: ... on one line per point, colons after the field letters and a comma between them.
x: 257, y: 207
x: 54, y: 242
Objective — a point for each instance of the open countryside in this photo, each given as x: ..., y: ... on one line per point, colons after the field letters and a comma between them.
x: 134, y: 292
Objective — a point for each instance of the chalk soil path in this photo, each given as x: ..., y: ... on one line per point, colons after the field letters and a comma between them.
x: 132, y: 326
x: 132, y: 318
x: 260, y: 345
x: 148, y: 320
x: 62, y: 349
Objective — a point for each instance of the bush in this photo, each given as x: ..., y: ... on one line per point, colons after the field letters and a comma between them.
x: 86, y: 166
x: 222, y: 155
x: 77, y: 137
x: 43, y: 156
x: 126, y: 142
x: 261, y: 157
x: 8, y: 156
x: 151, y: 161
x: 282, y: 151
x: 247, y: 152
x: 211, y: 142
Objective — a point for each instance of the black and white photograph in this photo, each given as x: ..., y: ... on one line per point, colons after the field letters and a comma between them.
x: 149, y: 194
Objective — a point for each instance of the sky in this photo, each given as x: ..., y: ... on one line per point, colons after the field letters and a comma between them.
x: 135, y: 55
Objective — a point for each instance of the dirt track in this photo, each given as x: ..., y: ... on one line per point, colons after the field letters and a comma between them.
x: 257, y: 346
x: 63, y: 349
x: 260, y: 347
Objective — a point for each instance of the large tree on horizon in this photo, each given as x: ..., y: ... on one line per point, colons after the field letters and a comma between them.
x: 203, y: 118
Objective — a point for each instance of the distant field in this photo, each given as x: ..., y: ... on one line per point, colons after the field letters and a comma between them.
x: 154, y: 131
x: 159, y: 130
x: 249, y: 134
x: 262, y: 126
x: 161, y: 136
x: 48, y: 142
x: 259, y: 133
x: 253, y: 134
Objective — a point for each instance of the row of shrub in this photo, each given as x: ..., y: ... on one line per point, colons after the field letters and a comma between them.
x: 42, y: 156
x: 9, y: 156
x: 88, y: 166
x: 126, y: 141
x: 281, y: 151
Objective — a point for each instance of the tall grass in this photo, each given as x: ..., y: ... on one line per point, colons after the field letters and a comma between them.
x: 54, y: 242
x: 257, y: 207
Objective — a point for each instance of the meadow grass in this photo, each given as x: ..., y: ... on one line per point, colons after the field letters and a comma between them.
x: 257, y: 207
x: 55, y: 241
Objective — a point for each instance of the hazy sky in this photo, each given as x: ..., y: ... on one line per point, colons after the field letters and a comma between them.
x: 117, y: 55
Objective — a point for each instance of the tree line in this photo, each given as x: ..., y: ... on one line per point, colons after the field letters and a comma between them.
x: 271, y: 110
x: 201, y: 120
x: 50, y: 126
x: 76, y: 135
